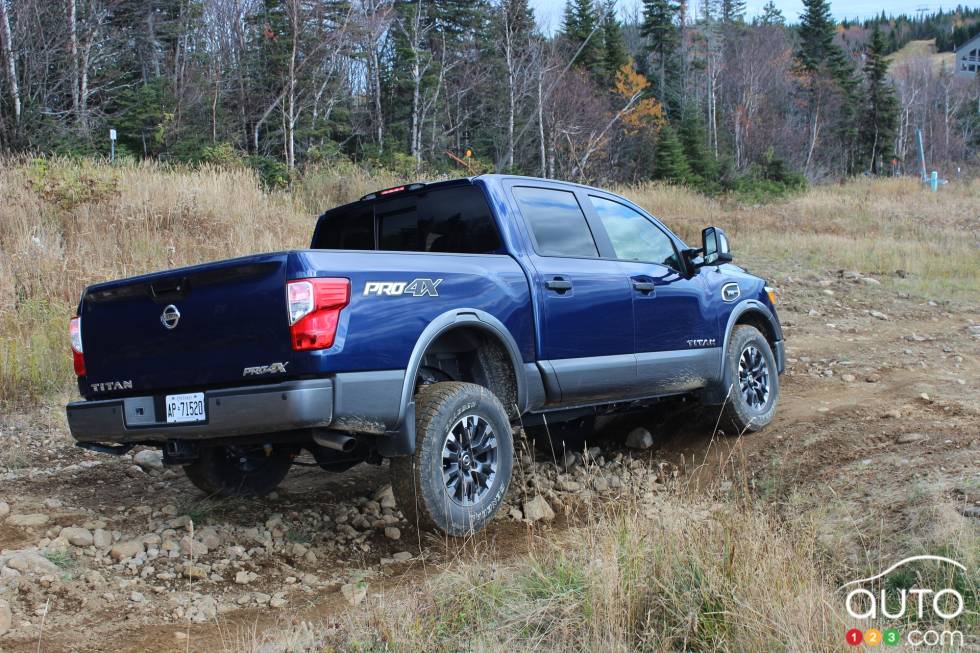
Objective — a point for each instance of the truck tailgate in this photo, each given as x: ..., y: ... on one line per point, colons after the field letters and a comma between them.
x: 186, y: 328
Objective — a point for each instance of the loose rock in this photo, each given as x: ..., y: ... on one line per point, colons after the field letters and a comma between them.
x: 385, y: 497
x: 6, y: 617
x: 909, y: 438
x: 126, y: 549
x: 193, y: 548
x: 77, y: 536
x: 28, y: 521
x: 102, y: 538
x: 537, y: 509
x: 245, y: 577
x: 639, y: 438
x: 354, y: 593
x: 30, y: 562
x: 149, y: 459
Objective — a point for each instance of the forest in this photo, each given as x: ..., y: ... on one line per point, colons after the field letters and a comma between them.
x: 697, y: 93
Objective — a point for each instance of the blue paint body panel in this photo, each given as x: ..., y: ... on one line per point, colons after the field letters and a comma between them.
x: 598, y: 341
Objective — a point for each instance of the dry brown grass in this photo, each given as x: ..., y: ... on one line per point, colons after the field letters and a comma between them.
x: 66, y: 224
x: 875, y: 226
x: 644, y: 574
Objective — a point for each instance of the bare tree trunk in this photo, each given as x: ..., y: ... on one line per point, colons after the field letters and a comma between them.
x: 151, y: 37
x: 265, y: 116
x: 8, y: 53
x: 813, y: 140
x: 83, y: 81
x: 379, y: 120
x: 73, y: 44
x: 416, y: 83
x: 511, y: 90
x: 415, y: 37
x: 544, y: 159
x: 214, y: 102
x: 291, y: 96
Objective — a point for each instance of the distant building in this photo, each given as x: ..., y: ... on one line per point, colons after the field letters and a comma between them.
x: 968, y: 57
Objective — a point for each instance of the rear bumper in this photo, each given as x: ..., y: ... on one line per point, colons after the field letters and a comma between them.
x: 230, y: 412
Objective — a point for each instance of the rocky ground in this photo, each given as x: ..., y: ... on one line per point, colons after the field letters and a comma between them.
x: 878, y: 432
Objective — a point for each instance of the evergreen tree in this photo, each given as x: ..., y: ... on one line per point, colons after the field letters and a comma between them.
x: 829, y: 74
x: 614, y: 52
x: 670, y: 164
x: 662, y: 35
x: 880, y: 120
x: 771, y: 15
x: 581, y: 30
x: 692, y: 135
x: 816, y: 35
x: 732, y: 11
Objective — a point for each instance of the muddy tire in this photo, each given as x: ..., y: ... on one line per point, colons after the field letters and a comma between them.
x: 239, y: 471
x: 754, y: 394
x: 464, y: 456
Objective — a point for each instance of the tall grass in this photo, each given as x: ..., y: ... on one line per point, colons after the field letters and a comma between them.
x: 926, y: 242
x: 642, y: 575
x: 65, y: 224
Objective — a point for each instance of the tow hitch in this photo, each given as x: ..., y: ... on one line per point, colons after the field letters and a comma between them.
x: 179, y: 452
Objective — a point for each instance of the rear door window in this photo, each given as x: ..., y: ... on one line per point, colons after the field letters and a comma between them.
x: 455, y: 219
x: 558, y: 225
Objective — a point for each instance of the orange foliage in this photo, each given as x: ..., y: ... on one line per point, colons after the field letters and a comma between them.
x: 646, y: 112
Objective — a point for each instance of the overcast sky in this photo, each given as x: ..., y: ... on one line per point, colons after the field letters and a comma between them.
x: 549, y: 12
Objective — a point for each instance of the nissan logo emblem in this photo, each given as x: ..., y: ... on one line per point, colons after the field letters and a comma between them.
x: 170, y: 317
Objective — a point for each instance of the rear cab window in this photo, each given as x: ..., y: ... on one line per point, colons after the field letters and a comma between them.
x: 455, y: 219
x: 557, y: 223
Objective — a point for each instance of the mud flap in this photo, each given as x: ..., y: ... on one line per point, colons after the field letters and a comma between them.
x: 402, y: 441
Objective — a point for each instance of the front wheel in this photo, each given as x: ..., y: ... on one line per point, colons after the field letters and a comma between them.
x: 754, y: 391
x: 234, y: 471
x: 464, y: 455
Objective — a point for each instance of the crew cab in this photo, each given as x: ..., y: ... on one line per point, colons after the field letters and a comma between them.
x: 421, y: 324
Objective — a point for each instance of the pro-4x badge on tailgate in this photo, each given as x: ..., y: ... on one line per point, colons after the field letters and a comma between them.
x: 272, y: 368
x: 416, y: 288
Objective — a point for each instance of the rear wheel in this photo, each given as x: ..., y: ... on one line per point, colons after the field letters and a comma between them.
x: 464, y: 455
x: 754, y: 392
x: 234, y: 471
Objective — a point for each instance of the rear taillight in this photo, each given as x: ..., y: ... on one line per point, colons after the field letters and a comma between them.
x: 78, y: 358
x: 314, y: 307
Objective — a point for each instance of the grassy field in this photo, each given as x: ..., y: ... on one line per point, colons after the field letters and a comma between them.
x: 68, y: 224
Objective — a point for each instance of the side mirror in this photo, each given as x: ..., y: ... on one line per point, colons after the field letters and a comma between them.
x: 714, y: 247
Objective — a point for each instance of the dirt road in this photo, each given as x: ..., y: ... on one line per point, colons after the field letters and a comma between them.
x: 878, y: 432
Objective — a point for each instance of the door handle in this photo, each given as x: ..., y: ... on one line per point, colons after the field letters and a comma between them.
x: 644, y: 287
x: 558, y: 284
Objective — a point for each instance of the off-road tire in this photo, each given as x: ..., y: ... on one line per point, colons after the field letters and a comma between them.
x: 419, y: 481
x: 217, y: 471
x: 738, y: 414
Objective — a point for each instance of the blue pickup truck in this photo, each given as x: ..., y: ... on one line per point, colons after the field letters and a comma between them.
x: 420, y: 325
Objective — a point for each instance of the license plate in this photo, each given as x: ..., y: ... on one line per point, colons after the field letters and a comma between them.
x: 185, y: 408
